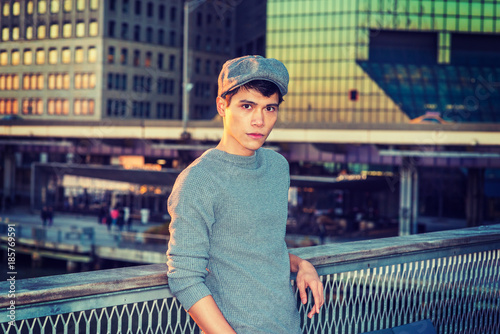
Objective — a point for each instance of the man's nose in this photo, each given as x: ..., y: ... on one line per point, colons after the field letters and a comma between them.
x: 258, y: 118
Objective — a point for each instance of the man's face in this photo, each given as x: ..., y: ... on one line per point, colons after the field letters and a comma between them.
x: 248, y: 120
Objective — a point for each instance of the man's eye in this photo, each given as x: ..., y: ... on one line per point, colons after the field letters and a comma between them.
x: 271, y: 109
x: 246, y: 106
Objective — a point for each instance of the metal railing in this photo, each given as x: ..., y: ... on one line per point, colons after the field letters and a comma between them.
x: 451, y: 277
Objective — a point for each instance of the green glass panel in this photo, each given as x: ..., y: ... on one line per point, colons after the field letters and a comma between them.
x: 463, y: 24
x: 464, y: 8
x: 477, y: 9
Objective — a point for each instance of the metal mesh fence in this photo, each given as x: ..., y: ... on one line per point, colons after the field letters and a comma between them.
x: 460, y: 294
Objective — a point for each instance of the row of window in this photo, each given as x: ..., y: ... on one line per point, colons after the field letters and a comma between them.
x: 139, y: 109
x: 53, y: 30
x: 150, y: 10
x: 53, y: 56
x: 137, y: 61
x: 207, y: 69
x: 44, y: 6
x: 137, y: 36
x: 35, y: 106
x: 36, y: 81
x: 142, y: 84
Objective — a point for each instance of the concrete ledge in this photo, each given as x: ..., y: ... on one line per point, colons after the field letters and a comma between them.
x: 50, y: 288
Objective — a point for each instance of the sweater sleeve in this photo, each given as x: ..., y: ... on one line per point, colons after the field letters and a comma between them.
x: 191, y: 208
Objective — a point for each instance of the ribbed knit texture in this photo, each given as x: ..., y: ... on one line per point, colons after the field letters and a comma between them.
x: 227, y: 239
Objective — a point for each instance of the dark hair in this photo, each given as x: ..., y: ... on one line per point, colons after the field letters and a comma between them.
x: 266, y: 88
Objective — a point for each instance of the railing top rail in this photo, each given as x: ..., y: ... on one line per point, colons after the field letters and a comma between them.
x: 50, y: 288
x: 360, y: 250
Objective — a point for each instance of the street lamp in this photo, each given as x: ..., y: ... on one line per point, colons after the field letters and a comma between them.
x: 189, y: 6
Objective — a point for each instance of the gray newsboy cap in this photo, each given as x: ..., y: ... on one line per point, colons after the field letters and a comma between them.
x: 239, y: 71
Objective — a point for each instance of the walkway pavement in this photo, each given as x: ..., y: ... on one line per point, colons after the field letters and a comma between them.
x: 66, y: 222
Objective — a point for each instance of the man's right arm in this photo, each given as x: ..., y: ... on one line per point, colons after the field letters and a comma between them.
x: 209, y: 318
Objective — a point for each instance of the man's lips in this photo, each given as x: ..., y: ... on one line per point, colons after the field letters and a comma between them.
x: 255, y: 135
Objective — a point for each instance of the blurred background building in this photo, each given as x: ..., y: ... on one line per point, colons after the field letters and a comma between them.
x: 392, y: 112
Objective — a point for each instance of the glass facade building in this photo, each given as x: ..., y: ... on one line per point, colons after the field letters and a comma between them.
x: 387, y: 61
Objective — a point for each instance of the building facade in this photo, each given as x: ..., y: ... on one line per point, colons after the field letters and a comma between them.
x: 373, y: 61
x: 93, y: 60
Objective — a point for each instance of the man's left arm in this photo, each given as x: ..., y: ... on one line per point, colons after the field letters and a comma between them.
x: 307, y: 277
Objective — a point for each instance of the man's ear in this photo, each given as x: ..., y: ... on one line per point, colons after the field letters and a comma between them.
x: 221, y: 106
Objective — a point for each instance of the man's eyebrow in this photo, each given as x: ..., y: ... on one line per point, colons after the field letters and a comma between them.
x: 254, y: 103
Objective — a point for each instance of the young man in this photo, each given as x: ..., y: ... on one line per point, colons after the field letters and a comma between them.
x: 228, y: 262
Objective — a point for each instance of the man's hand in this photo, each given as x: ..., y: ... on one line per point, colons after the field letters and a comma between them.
x: 307, y: 277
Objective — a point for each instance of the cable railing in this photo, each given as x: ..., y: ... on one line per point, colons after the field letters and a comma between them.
x: 450, y: 277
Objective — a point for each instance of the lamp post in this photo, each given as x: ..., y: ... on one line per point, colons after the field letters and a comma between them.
x: 189, y: 6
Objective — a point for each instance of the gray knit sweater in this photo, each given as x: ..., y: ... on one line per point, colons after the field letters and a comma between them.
x: 228, y: 240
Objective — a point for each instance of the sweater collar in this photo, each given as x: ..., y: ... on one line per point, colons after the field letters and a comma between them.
x: 244, y: 161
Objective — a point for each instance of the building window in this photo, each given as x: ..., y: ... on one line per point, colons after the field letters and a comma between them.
x: 124, y: 31
x: 15, y: 57
x: 28, y: 34
x: 6, y: 9
x: 173, y: 13
x: 111, y: 29
x: 111, y: 55
x: 80, y: 5
x: 125, y: 6
x: 15, y: 33
x: 137, y: 33
x: 94, y: 4
x: 59, y: 81
x: 171, y: 41
x: 5, y: 34
x: 52, y: 56
x: 161, y: 12
x: 147, y: 61
x: 160, y: 61
x: 4, y: 58
x: 137, y: 7
x: 92, y: 54
x: 33, y: 82
x: 40, y: 56
x: 171, y: 62
x: 112, y: 5
x: 93, y: 28
x: 67, y: 29
x: 66, y: 56
x: 79, y: 55
x: 150, y: 9
x: 9, y: 107
x: 54, y: 30
x: 16, y: 9
x: 57, y: 107
x: 9, y: 82
x: 149, y: 35
x: 137, y: 58
x: 124, y: 57
x: 27, y: 57
x: 80, y: 29
x: 68, y: 5
x: 32, y: 106
x: 42, y: 6
x: 197, y: 65
x: 54, y: 6
x: 199, y: 19
x: 161, y: 36
x: 85, y: 80
x: 29, y: 7
x: 41, y: 32
x: 83, y: 107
